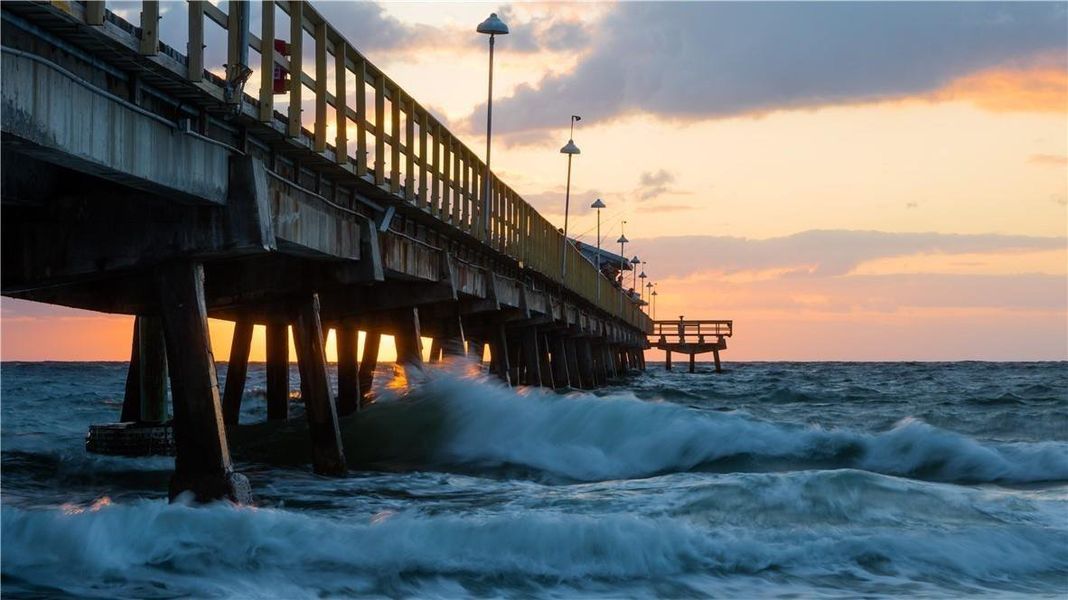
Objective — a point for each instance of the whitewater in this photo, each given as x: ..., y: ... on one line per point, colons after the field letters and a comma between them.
x: 832, y: 480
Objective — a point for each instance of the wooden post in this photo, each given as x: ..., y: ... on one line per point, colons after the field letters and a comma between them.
x: 514, y: 355
x: 499, y: 354
x: 149, y: 28
x: 94, y: 13
x: 435, y: 349
x: 202, y: 462
x: 561, y: 374
x: 409, y: 344
x: 236, y: 371
x: 327, y: 453
x: 348, y: 376
x: 573, y: 369
x: 692, y: 355
x: 585, y: 362
x: 341, y: 70
x: 531, y: 357
x: 715, y: 357
x: 131, y: 402
x: 277, y: 372
x: 380, y: 128
x: 547, y: 379
x: 394, y: 139
x: 296, y: 49
x: 368, y: 363
x: 361, y: 119
x: 409, y: 149
x: 667, y: 360
x: 266, y: 61
x: 319, y: 137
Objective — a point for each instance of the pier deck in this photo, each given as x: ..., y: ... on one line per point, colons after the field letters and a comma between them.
x: 144, y: 181
x: 691, y: 338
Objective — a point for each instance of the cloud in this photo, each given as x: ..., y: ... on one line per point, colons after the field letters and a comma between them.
x: 651, y: 185
x: 817, y: 253
x: 701, y: 60
x: 1054, y: 160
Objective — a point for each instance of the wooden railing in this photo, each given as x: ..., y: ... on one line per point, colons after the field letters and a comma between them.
x: 691, y: 331
x: 402, y: 149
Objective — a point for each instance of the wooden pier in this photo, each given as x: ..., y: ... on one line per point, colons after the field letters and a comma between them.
x: 691, y: 338
x: 139, y: 180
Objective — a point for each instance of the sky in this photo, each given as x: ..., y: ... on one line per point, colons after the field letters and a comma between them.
x: 846, y: 181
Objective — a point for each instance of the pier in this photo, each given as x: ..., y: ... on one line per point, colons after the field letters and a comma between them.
x: 691, y: 338
x: 139, y: 180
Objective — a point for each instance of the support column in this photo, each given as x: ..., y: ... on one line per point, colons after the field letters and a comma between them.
x: 435, y: 350
x: 348, y: 376
x: 531, y: 358
x: 475, y: 350
x: 131, y: 401
x: 499, y: 354
x: 277, y: 372
x: 153, y: 367
x: 409, y: 344
x: 452, y: 339
x: 368, y: 364
x: 585, y: 360
x: 577, y: 379
x: 610, y: 365
x: 202, y: 462
x: 692, y: 355
x: 237, y: 371
x: 667, y: 360
x: 561, y: 374
x: 328, y: 456
x: 715, y: 357
x: 547, y: 379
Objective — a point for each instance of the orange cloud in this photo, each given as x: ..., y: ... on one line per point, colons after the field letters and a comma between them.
x: 1040, y: 87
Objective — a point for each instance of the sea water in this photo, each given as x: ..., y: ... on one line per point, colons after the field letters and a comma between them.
x: 768, y: 480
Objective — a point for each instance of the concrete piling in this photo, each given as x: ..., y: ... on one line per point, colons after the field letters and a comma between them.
x: 547, y: 378
x: 237, y: 371
x: 131, y: 402
x: 585, y: 362
x: 571, y: 355
x: 368, y: 364
x: 407, y: 338
x: 531, y: 358
x: 561, y: 374
x: 277, y: 371
x: 348, y: 377
x: 327, y: 452
x: 499, y: 363
x: 202, y: 464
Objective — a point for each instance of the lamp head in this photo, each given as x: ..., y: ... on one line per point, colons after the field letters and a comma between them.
x: 622, y: 240
x: 642, y: 276
x: 597, y: 204
x: 635, y: 260
x: 492, y: 26
x: 570, y: 148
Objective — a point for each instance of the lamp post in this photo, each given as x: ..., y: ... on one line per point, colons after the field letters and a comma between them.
x: 654, y: 302
x: 492, y: 27
x: 622, y: 241
x: 649, y: 287
x: 570, y: 149
x: 641, y: 288
x: 598, y: 205
x: 635, y: 262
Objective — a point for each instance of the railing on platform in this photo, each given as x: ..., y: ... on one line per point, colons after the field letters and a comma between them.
x: 398, y: 145
x: 698, y: 331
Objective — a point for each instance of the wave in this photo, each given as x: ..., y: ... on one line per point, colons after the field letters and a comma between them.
x: 153, y: 549
x: 461, y: 421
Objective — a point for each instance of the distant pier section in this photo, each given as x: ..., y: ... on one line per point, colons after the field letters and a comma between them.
x: 692, y: 338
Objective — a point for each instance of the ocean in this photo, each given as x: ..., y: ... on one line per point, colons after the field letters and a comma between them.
x: 798, y: 480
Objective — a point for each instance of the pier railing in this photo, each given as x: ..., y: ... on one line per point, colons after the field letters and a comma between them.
x: 364, y: 123
x: 691, y: 331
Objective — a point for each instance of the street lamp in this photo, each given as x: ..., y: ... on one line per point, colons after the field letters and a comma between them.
x: 492, y: 27
x: 641, y: 288
x: 570, y: 149
x: 649, y: 287
x: 654, y: 302
x: 635, y: 262
x: 598, y: 205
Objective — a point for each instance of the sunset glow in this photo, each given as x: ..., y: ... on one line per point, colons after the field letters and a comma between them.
x: 917, y: 218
